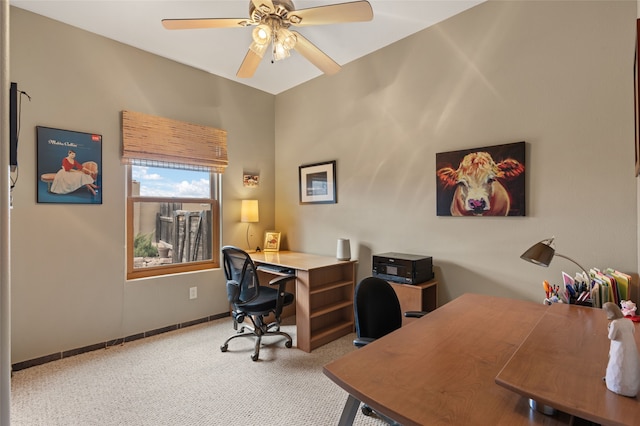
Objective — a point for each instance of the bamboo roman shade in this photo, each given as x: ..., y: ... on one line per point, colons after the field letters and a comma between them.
x: 147, y: 139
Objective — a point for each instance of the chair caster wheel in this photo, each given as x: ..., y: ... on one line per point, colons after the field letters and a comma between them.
x: 223, y: 348
x: 366, y: 410
x: 254, y: 357
x: 288, y: 344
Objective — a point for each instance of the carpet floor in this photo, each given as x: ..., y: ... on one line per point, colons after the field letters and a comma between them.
x: 182, y: 378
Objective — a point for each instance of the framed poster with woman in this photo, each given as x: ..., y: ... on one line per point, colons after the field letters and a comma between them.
x: 69, y: 166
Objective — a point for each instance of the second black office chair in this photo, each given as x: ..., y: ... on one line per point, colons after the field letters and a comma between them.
x: 250, y: 300
x: 377, y: 313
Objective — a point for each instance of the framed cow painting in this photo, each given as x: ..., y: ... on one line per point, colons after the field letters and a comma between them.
x: 487, y: 181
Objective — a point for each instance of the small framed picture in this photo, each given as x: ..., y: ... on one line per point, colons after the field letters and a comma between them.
x: 318, y: 183
x: 271, y: 241
x: 250, y: 180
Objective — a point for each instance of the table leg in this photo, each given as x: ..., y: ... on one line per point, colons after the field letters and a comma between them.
x: 349, y: 411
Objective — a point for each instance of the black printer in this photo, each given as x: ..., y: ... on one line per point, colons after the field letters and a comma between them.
x: 403, y: 268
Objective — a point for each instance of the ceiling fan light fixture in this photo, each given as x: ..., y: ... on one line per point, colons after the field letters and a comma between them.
x: 280, y: 52
x: 271, y: 19
x: 258, y: 49
x: 262, y: 34
x: 286, y: 38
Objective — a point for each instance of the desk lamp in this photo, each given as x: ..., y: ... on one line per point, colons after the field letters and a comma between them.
x: 542, y: 253
x: 249, y: 215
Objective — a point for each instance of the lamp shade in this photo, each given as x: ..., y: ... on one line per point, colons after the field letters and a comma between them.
x: 258, y: 49
x: 540, y: 253
x: 249, y: 211
x: 287, y: 38
x: 262, y: 34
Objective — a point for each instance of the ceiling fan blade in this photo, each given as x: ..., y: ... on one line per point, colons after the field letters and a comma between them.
x: 265, y: 6
x: 314, y: 55
x: 195, y: 23
x: 356, y: 11
x: 249, y: 65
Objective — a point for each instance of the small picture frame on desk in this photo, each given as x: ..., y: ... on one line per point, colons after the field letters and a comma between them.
x: 271, y: 241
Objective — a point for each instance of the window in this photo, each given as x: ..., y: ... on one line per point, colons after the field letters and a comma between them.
x: 172, y: 220
x: 174, y: 171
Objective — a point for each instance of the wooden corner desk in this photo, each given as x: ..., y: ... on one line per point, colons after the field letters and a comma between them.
x: 324, y: 288
x: 562, y: 362
x: 441, y: 369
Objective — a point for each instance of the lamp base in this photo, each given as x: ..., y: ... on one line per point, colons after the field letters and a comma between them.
x: 248, y: 243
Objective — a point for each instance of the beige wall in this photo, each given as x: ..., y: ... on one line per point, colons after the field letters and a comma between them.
x: 68, y: 261
x: 557, y: 75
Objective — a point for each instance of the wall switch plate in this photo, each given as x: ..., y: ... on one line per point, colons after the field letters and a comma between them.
x: 193, y: 293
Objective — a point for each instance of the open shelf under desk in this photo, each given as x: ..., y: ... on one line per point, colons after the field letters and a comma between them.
x: 330, y: 286
x: 328, y: 334
x: 318, y: 312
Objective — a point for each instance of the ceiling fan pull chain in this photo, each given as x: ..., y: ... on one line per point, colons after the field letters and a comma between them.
x: 274, y: 40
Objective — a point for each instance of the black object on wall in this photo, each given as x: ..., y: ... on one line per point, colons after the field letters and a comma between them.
x: 13, y: 126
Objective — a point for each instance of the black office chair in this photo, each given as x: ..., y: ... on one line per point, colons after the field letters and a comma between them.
x: 377, y: 313
x: 250, y: 300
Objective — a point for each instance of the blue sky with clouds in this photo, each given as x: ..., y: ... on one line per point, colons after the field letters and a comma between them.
x: 161, y: 182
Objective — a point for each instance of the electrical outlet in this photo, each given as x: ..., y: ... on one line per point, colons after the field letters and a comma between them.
x: 193, y: 293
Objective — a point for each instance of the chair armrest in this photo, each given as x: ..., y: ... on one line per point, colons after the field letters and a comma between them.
x: 415, y: 314
x: 281, y: 281
x: 359, y: 342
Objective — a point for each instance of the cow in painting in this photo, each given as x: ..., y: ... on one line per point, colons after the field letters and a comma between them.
x: 479, y: 191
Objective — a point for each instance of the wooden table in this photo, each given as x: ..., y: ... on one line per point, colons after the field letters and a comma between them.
x: 562, y: 362
x: 324, y: 289
x: 441, y: 369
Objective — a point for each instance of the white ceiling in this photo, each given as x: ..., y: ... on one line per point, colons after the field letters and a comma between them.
x: 221, y: 51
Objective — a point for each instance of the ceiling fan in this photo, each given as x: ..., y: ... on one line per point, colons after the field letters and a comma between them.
x: 272, y: 19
